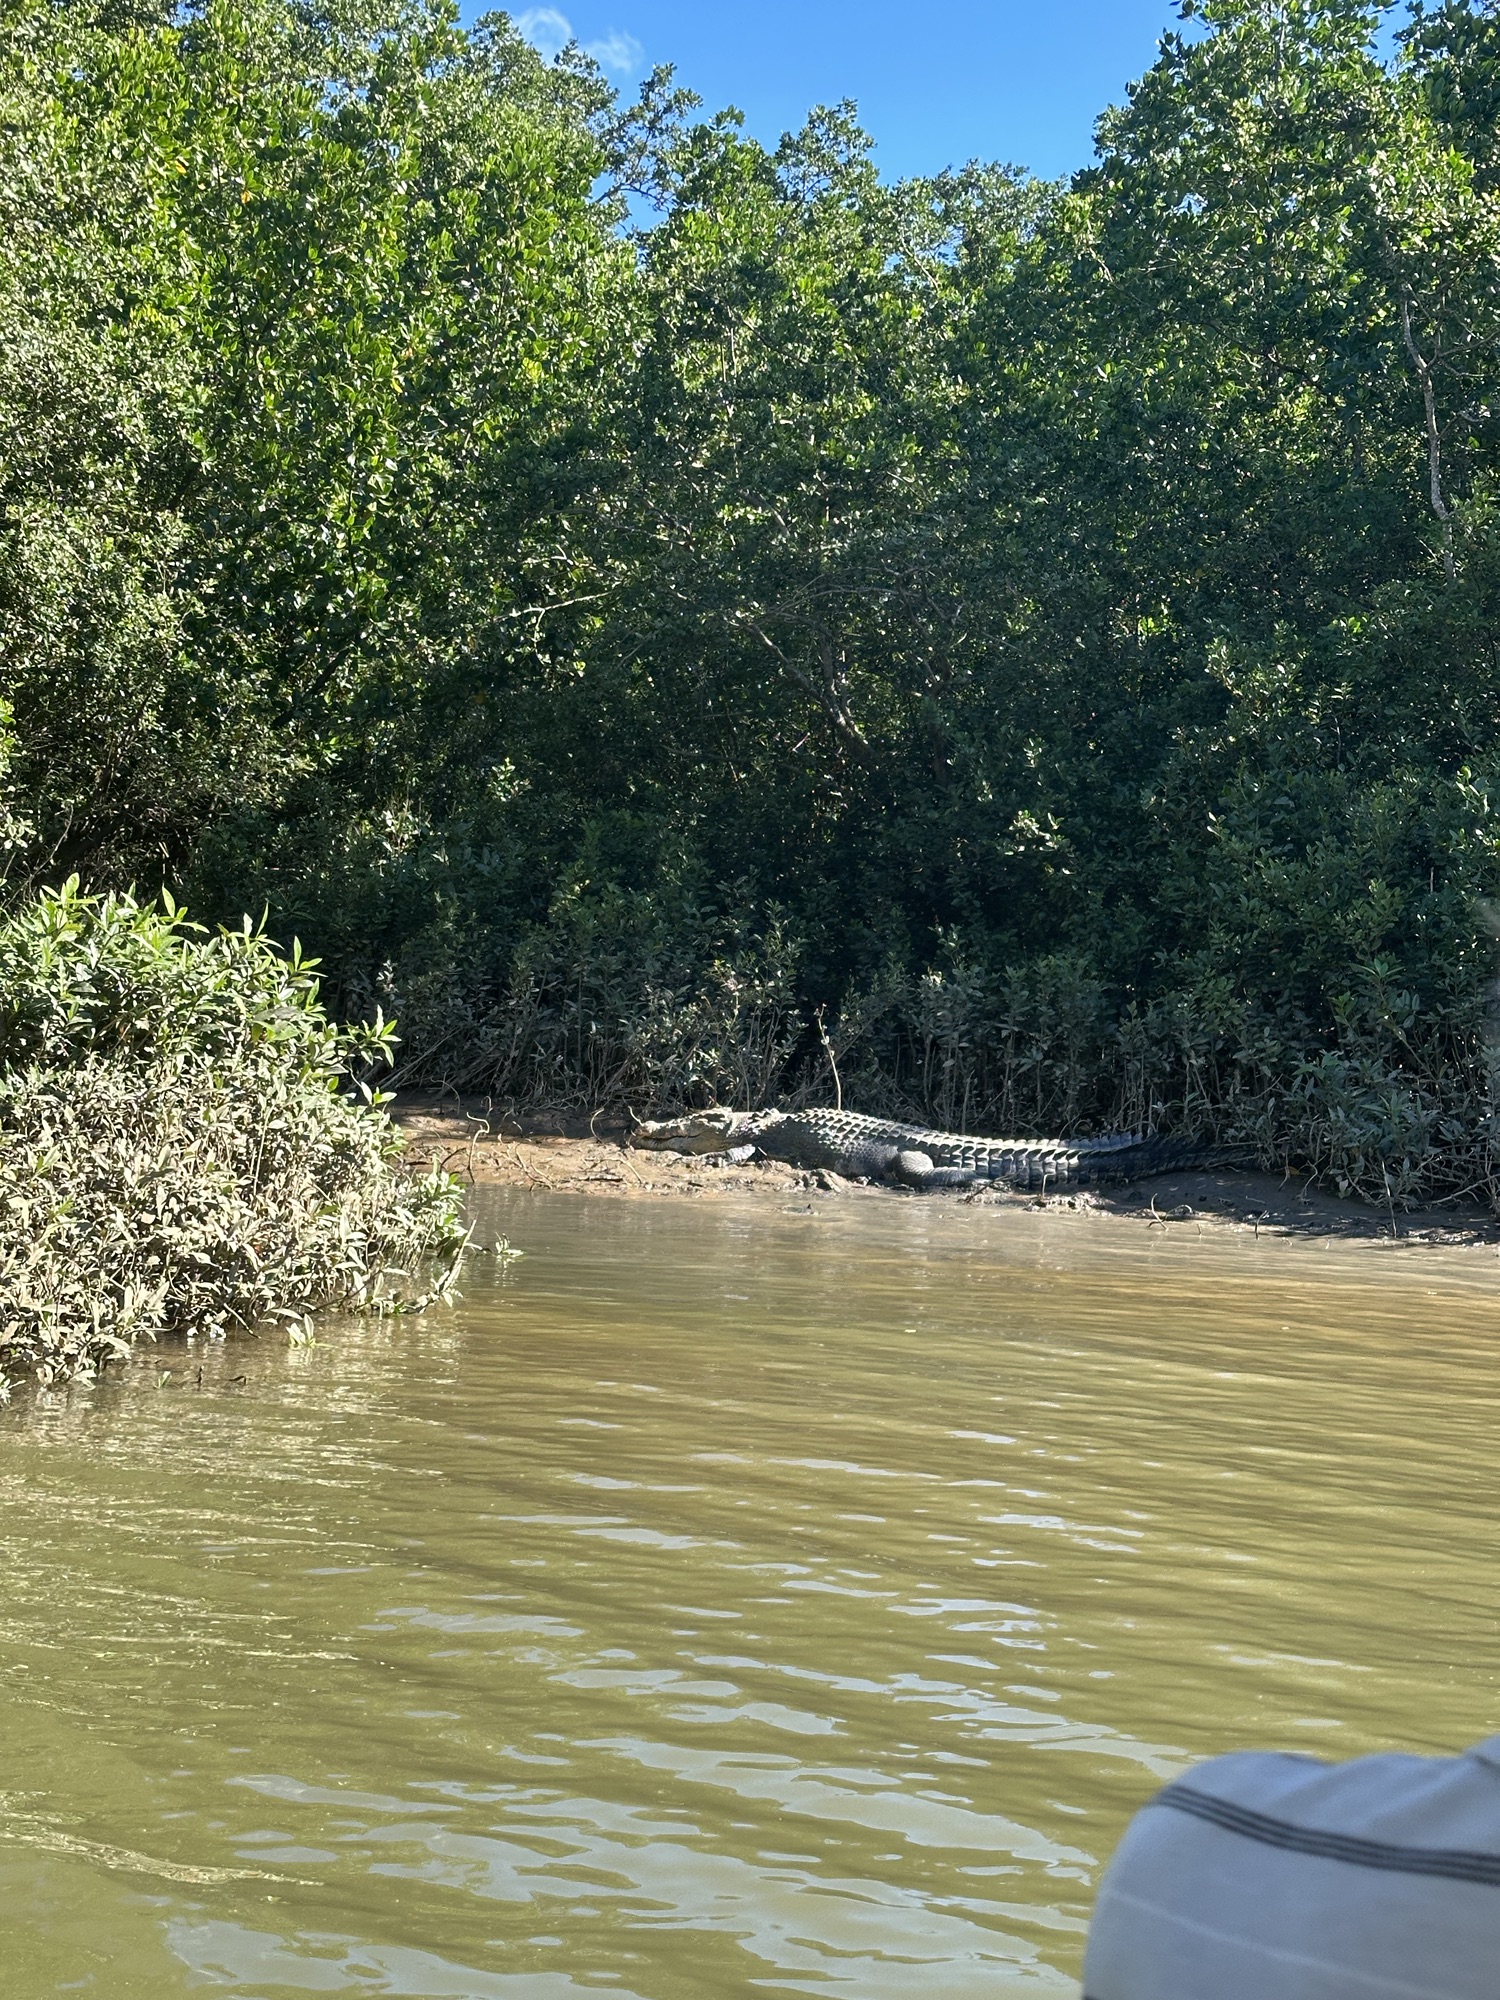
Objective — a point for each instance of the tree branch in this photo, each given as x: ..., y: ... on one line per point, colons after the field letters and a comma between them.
x: 1434, y: 435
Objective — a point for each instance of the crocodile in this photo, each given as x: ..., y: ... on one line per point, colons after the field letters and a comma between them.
x: 860, y: 1148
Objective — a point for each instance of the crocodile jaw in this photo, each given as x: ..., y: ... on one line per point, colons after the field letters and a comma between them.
x: 699, y: 1132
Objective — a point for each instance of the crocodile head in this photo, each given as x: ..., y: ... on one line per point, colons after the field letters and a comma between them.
x: 711, y: 1131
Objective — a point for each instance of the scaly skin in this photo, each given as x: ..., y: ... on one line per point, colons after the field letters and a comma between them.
x: 846, y: 1142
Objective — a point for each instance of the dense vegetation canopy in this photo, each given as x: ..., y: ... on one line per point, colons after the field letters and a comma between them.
x: 639, y: 603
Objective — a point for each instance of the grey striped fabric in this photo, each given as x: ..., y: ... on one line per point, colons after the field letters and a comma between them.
x: 1269, y: 1877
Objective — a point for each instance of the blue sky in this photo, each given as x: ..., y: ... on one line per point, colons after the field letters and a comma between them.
x: 1016, y: 80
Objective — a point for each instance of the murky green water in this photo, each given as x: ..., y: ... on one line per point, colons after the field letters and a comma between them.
x: 725, y: 1602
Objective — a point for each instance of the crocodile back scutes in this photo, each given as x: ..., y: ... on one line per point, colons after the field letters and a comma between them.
x: 848, y: 1142
x: 837, y: 1129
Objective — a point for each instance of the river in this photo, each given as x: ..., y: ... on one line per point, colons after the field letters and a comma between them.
x: 725, y: 1600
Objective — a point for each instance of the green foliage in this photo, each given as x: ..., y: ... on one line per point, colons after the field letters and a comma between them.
x: 82, y: 976
x: 291, y: 316
x: 1045, y: 632
x: 176, y: 1152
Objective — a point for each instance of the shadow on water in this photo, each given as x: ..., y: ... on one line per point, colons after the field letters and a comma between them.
x: 725, y: 1601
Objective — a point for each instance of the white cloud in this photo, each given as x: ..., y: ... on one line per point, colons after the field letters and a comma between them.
x: 546, y: 29
x: 549, y: 32
x: 616, y: 51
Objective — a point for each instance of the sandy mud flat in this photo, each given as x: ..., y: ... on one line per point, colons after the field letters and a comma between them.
x: 485, y: 1147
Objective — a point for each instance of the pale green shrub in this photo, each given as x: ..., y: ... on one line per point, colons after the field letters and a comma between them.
x: 180, y: 1149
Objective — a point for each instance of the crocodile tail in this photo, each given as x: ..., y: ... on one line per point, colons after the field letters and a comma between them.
x: 1123, y: 1157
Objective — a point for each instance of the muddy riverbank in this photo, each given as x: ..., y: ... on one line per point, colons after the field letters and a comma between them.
x: 488, y: 1149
